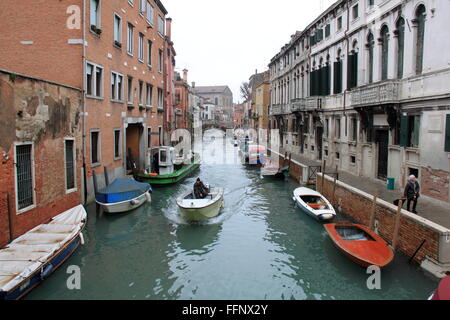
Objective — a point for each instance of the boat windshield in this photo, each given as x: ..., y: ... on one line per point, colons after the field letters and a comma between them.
x: 353, y: 234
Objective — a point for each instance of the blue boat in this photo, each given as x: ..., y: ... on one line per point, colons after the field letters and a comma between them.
x: 123, y: 195
x: 33, y: 257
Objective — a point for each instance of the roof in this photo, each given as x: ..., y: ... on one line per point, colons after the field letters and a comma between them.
x: 210, y: 89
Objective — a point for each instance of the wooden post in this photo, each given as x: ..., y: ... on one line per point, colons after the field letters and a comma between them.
x: 372, y: 213
x: 397, y: 224
x: 324, y: 162
x: 106, y: 176
x: 334, y: 185
x: 94, y: 180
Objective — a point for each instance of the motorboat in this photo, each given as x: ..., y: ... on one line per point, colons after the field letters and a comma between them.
x: 360, y: 244
x: 33, y: 257
x: 314, y: 204
x: 123, y: 195
x: 196, y: 210
x: 443, y: 290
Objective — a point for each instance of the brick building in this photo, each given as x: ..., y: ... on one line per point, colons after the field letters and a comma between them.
x: 40, y: 152
x: 116, y: 57
x: 182, y: 103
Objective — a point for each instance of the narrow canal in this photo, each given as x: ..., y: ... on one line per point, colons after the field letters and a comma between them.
x: 260, y: 247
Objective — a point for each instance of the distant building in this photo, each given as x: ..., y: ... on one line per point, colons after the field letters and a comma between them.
x: 238, y: 115
x: 220, y: 96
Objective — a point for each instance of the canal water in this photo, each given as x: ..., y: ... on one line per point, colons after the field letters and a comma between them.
x: 260, y: 247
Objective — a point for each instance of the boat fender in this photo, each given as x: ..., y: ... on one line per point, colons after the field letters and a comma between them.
x: 81, y: 239
x: 45, y: 272
x: 133, y: 202
x: 148, y: 196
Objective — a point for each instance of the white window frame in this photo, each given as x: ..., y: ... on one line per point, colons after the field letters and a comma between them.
x: 33, y: 174
x: 141, y: 47
x: 160, y: 98
x: 115, y: 98
x: 141, y: 93
x: 149, y: 52
x: 160, y: 136
x: 98, y: 18
x: 160, y: 60
x: 99, y: 148
x: 75, y: 188
x: 142, y: 7
x: 130, y: 90
x: 119, y: 143
x: 149, y: 137
x: 161, y: 25
x: 150, y: 12
x: 130, y: 42
x: 94, y: 81
x: 131, y: 3
x: 148, y: 102
x: 119, y: 36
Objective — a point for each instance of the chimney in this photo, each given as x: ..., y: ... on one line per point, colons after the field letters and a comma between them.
x: 193, y: 84
x: 169, y: 28
x: 185, y: 75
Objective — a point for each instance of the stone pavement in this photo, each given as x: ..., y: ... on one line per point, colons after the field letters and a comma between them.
x: 429, y: 208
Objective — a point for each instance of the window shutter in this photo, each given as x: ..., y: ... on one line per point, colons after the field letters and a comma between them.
x: 349, y: 71
x: 404, y: 129
x: 447, y: 134
x: 335, y: 77
x: 416, y: 133
x: 355, y: 70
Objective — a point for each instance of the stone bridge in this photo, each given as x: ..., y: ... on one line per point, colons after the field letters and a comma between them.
x: 222, y: 125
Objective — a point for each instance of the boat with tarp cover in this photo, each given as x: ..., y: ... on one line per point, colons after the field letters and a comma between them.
x: 123, y: 195
x: 34, y: 256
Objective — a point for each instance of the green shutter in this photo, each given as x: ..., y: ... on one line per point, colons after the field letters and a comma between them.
x: 447, y: 134
x: 416, y: 132
x: 404, y: 130
x: 350, y: 64
x: 335, y: 77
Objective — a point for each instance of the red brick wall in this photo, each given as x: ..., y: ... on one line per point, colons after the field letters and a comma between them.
x: 411, y: 232
x: 44, y: 114
x: 435, y: 183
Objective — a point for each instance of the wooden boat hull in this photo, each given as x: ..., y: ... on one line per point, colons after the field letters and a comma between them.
x: 126, y: 206
x: 374, y: 252
x: 163, y: 180
x: 197, y: 215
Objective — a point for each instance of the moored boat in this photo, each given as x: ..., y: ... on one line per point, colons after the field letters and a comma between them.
x: 123, y: 195
x: 443, y: 290
x: 314, y: 204
x: 257, y: 155
x: 360, y: 244
x: 34, y: 256
x: 196, y: 210
x: 167, y: 169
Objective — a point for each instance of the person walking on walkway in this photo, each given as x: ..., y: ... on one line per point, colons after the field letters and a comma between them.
x: 412, y: 193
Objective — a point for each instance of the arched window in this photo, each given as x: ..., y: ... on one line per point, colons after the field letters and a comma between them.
x: 337, y: 73
x: 370, y: 47
x: 420, y: 22
x: 384, y: 52
x: 400, y: 46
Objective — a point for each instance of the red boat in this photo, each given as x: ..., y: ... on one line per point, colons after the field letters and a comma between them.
x: 360, y: 244
x: 443, y: 291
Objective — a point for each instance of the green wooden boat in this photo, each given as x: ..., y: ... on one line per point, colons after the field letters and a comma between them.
x: 170, y: 171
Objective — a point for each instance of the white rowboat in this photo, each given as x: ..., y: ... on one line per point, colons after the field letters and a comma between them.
x: 195, y: 210
x: 314, y: 204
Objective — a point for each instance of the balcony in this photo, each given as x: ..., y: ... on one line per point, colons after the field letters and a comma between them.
x: 375, y: 94
x: 280, y: 109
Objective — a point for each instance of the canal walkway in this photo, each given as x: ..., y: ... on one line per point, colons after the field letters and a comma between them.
x: 428, y: 208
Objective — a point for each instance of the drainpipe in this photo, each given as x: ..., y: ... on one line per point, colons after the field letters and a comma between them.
x: 84, y: 103
x: 348, y: 51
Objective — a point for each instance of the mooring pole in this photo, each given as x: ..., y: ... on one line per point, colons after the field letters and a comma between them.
x: 10, y: 217
x: 397, y: 224
x: 106, y: 176
x: 417, y: 251
x: 372, y: 213
x: 334, y: 185
x: 94, y: 179
x: 324, y: 162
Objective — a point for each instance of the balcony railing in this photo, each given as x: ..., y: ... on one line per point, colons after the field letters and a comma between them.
x: 377, y: 93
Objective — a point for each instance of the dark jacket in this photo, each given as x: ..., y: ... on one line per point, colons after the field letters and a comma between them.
x: 412, y: 190
x: 200, y: 191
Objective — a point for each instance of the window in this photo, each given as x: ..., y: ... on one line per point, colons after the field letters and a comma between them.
x: 401, y: 46
x: 95, y: 148
x: 149, y: 137
x: 150, y: 14
x: 384, y: 52
x: 337, y: 132
x: 327, y: 30
x: 355, y: 12
x: 338, y: 155
x: 160, y: 136
x: 149, y: 95
x: 160, y: 60
x: 370, y: 2
x: 130, y: 90
x: 116, y: 86
x: 130, y: 39
x: 352, y: 70
x: 370, y: 46
x: 339, y: 23
x: 420, y: 23
x: 354, y: 129
x: 409, y: 131
x: 117, y: 30
x: 94, y: 80
x: 141, y: 47
x: 337, y: 75
x: 160, y: 98
x: 141, y: 93
x: 149, y: 53
x: 95, y: 13
x: 352, y: 159
x: 327, y: 128
x: 131, y: 2
x: 161, y: 26
x: 24, y: 176
x: 447, y: 133
x: 117, y: 152
x: 142, y: 5
x: 70, y: 164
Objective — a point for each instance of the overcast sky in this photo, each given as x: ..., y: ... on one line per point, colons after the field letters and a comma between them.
x: 223, y: 42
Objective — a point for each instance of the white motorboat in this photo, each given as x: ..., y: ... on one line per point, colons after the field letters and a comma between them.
x: 195, y: 210
x: 314, y: 204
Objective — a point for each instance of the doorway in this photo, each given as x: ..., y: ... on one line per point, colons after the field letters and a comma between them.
x: 319, y: 136
x: 133, y: 147
x: 382, y: 141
